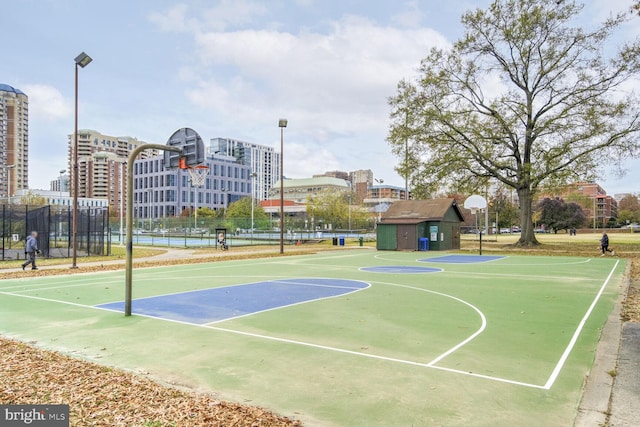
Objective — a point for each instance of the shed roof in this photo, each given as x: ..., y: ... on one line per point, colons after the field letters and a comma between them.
x: 415, y: 211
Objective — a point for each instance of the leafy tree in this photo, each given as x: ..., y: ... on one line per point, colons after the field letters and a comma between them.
x: 238, y: 215
x: 206, y: 212
x: 556, y: 215
x: 507, y: 211
x: 32, y: 199
x: 524, y: 97
x: 629, y: 202
x: 335, y: 208
x: 628, y: 215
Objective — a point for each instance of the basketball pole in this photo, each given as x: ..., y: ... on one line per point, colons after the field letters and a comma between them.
x: 129, y: 263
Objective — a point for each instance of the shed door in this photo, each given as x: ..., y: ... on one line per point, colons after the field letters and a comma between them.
x: 455, y: 238
x: 407, y: 238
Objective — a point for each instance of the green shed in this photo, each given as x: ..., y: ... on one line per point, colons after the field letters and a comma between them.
x: 408, y: 221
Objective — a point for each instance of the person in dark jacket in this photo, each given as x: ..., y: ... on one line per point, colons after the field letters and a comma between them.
x: 604, y: 244
x: 31, y: 249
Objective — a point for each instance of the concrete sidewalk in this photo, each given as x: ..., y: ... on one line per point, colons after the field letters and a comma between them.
x: 612, y: 391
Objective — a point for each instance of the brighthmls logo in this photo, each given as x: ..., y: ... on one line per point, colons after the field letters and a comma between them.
x: 34, y: 415
x: 26, y: 417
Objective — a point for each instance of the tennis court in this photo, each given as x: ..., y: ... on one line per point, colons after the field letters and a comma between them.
x: 346, y: 338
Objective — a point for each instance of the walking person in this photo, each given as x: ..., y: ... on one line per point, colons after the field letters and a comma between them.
x: 604, y: 244
x: 31, y: 249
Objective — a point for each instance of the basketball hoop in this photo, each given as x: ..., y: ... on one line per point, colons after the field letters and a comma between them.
x: 197, y: 173
x: 474, y: 210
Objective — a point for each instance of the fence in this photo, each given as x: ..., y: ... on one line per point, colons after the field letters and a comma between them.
x: 186, y: 232
x: 54, y: 227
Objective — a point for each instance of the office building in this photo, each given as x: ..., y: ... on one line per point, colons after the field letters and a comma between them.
x: 14, y: 140
x: 377, y: 194
x: 263, y: 161
x: 160, y: 192
x: 299, y: 190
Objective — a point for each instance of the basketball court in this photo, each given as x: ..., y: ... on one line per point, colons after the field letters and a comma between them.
x: 347, y: 338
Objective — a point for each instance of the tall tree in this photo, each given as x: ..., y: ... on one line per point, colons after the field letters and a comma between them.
x: 629, y: 202
x: 524, y: 98
x: 238, y: 215
x: 556, y: 215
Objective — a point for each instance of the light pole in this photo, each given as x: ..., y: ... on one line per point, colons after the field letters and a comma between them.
x: 61, y: 171
x: 81, y: 61
x: 121, y: 199
x: 8, y: 168
x: 149, y: 213
x: 282, y: 123
x: 253, y: 190
x: 195, y: 206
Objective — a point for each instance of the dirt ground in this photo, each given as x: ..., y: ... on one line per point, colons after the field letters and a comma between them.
x: 102, y: 396
x: 631, y: 308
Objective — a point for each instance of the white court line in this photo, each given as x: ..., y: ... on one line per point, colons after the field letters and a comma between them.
x: 230, y: 286
x: 483, y: 319
x: 473, y: 263
x: 574, y: 338
x: 551, y: 264
x: 282, y: 281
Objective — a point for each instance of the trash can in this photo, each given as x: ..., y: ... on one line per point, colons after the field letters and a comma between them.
x: 360, y: 240
x: 423, y: 244
x: 335, y: 241
x: 341, y: 240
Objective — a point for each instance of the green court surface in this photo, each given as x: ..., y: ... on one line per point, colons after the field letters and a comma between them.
x: 501, y: 343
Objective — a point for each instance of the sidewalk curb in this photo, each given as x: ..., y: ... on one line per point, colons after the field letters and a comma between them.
x: 594, y: 407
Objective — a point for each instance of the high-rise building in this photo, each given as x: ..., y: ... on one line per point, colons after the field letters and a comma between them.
x: 101, y: 164
x: 159, y: 192
x: 60, y: 184
x: 263, y: 160
x: 361, y: 180
x: 14, y: 140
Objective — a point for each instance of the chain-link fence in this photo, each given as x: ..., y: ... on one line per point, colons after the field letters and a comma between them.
x: 189, y: 232
x: 54, y: 227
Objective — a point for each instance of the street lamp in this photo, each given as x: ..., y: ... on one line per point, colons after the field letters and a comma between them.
x: 61, y: 202
x: 253, y: 191
x: 81, y: 61
x: 8, y: 168
x: 282, y: 123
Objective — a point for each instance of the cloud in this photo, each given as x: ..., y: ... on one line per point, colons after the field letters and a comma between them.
x: 411, y: 18
x: 174, y: 20
x: 225, y: 14
x: 47, y: 103
x: 303, y: 160
x: 340, y: 79
x: 332, y: 84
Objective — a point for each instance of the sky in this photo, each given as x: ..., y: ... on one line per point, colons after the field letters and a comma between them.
x: 232, y: 68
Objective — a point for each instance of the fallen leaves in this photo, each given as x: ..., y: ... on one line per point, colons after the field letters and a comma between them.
x: 103, y: 396
x: 631, y: 306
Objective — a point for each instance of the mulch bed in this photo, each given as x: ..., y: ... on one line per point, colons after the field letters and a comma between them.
x: 103, y: 396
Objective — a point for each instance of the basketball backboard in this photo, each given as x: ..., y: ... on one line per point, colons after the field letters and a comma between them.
x: 475, y: 203
x: 192, y: 149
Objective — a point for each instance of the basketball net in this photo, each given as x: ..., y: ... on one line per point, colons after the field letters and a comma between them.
x: 474, y: 211
x: 198, y: 175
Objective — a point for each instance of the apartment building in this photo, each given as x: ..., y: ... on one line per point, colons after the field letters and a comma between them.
x: 262, y: 160
x: 14, y: 141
